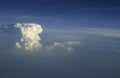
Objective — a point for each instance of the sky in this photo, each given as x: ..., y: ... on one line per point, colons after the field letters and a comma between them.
x: 59, y: 38
x: 62, y: 13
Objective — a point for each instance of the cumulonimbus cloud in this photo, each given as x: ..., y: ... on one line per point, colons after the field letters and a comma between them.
x: 29, y: 36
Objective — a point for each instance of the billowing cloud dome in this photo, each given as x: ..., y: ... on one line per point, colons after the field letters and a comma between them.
x: 30, y: 36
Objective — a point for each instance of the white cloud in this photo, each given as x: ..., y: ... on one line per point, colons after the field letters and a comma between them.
x: 30, y: 38
x: 27, y: 38
x: 68, y: 46
x: 72, y: 43
x: 18, y: 45
x: 94, y: 31
x: 102, y: 32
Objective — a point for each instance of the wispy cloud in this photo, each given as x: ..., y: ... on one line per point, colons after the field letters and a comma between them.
x: 107, y: 8
x: 67, y: 46
x: 102, y: 32
x: 95, y: 31
x: 30, y: 17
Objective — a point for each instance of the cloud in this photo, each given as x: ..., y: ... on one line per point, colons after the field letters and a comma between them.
x: 26, y: 17
x: 114, y: 8
x: 91, y: 31
x: 68, y: 46
x: 101, y: 32
x: 26, y: 37
x: 30, y: 36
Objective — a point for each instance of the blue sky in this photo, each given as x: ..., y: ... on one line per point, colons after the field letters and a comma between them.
x: 62, y: 13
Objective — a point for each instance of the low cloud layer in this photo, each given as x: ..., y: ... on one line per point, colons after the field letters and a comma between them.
x: 67, y: 46
x: 30, y: 36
